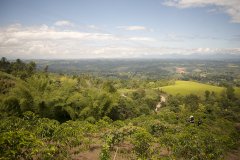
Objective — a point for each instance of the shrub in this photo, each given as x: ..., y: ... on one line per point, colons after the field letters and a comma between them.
x: 19, y: 144
x: 141, y: 141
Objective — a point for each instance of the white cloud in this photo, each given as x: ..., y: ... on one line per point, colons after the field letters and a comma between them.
x: 231, y: 7
x: 133, y: 28
x: 63, y: 23
x: 46, y: 33
x: 48, y: 42
x: 17, y: 41
x: 141, y: 39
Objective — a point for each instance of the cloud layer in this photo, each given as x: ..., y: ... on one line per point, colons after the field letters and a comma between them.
x: 231, y: 7
x: 43, y: 42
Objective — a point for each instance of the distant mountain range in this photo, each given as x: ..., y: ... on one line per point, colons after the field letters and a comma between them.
x: 193, y: 56
x: 220, y: 56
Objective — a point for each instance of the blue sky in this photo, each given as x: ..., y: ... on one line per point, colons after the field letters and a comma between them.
x: 118, y: 28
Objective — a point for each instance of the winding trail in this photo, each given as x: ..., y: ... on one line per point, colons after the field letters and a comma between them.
x: 159, y: 105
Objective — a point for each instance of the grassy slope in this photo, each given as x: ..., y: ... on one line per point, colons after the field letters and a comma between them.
x: 188, y: 87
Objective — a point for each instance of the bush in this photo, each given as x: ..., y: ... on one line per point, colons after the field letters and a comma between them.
x: 105, y: 152
x: 141, y: 141
x: 157, y: 128
x: 91, y: 120
x: 11, y: 106
x: 197, y: 145
x: 19, y: 144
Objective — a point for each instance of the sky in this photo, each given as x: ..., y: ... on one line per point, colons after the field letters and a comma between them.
x: 75, y: 29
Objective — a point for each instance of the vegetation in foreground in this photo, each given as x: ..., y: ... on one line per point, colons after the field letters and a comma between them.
x: 51, y: 116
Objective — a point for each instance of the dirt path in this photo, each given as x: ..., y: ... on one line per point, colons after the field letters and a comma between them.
x: 233, y: 155
x: 124, y: 153
x: 159, y: 105
x: 91, y: 154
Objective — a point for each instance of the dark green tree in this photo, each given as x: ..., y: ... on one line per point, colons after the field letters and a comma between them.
x: 192, y: 102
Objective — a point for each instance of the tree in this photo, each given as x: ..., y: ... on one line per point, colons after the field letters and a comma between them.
x: 31, y: 68
x: 45, y: 69
x: 141, y: 141
x: 140, y: 93
x: 108, y: 86
x: 174, y: 102
x: 125, y: 108
x: 207, y: 94
x: 230, y: 93
x: 5, y: 65
x: 11, y: 106
x: 192, y: 102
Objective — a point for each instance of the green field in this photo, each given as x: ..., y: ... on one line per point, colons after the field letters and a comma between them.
x: 188, y: 87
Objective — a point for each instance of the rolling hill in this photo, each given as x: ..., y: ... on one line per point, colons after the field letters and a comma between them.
x: 188, y: 87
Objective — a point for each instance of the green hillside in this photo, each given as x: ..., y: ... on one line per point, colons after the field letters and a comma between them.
x: 53, y: 116
x: 188, y: 87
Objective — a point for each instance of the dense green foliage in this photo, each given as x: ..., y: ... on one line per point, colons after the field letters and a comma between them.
x: 52, y: 116
x: 18, y: 68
